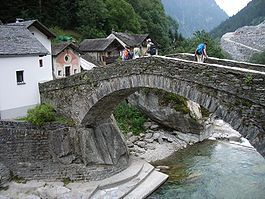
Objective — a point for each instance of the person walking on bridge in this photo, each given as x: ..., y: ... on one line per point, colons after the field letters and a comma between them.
x: 200, y: 52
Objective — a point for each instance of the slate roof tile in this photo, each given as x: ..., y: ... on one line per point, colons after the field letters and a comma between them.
x: 18, y: 40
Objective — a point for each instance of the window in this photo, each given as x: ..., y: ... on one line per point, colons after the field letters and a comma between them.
x: 41, y: 62
x: 67, y: 58
x: 59, y: 73
x: 20, y: 77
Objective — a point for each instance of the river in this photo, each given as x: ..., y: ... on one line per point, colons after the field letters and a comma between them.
x: 213, y: 170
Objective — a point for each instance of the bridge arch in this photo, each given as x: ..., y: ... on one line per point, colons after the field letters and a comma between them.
x: 89, y: 98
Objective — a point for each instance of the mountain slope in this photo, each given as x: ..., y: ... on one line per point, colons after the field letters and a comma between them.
x: 252, y: 14
x: 244, y: 42
x: 195, y: 15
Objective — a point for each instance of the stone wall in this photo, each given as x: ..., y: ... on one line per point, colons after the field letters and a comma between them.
x: 224, y: 62
x: 55, y: 152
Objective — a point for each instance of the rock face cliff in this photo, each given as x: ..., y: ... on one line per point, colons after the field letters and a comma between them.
x: 185, y: 121
x: 244, y: 42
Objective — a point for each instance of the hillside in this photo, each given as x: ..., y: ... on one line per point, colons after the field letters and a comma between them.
x: 195, y: 15
x: 96, y: 18
x: 252, y: 14
x: 244, y: 42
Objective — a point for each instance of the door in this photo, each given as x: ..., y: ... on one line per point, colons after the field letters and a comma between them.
x: 67, y: 71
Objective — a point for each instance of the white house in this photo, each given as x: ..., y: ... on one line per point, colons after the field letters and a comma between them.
x: 44, y: 36
x: 23, y: 64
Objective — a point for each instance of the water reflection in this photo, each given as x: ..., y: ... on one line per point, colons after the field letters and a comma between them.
x: 214, y: 170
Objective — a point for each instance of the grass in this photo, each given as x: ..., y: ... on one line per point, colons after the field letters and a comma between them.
x: 129, y: 118
x: 45, y: 113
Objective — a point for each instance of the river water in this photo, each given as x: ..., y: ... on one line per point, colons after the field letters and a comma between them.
x: 214, y: 170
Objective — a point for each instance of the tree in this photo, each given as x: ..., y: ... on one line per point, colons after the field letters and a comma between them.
x: 121, y: 17
x: 92, y: 16
x: 258, y: 58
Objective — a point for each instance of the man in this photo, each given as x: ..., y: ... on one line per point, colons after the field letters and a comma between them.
x: 200, y: 52
x: 125, y: 53
x: 151, y: 49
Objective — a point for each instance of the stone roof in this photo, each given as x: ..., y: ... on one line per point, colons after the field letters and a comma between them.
x: 131, y: 40
x: 58, y: 48
x: 91, y: 59
x: 36, y: 24
x: 95, y: 45
x: 18, y: 40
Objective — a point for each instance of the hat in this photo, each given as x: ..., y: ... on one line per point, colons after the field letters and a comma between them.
x: 148, y: 40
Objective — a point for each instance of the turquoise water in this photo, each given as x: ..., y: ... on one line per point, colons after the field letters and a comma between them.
x: 214, y: 170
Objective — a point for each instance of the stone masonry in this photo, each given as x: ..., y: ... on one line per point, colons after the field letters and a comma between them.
x: 235, y: 95
x: 59, y: 152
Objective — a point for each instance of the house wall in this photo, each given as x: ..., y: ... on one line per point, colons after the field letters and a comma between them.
x: 45, y: 71
x: 16, y: 99
x: 60, y: 63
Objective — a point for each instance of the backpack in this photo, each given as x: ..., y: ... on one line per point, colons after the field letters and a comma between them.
x: 130, y: 55
x: 199, y: 49
x: 152, y: 49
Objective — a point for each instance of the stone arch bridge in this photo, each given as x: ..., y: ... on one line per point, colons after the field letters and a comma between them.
x: 233, y: 91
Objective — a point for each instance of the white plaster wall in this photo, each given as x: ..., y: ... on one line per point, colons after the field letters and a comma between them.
x: 12, y: 95
x: 45, y: 72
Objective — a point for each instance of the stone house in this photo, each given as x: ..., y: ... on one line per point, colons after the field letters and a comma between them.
x: 21, y: 69
x: 66, y: 59
x: 136, y: 42
x: 104, y: 50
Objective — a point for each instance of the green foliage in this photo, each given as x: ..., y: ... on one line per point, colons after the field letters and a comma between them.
x: 17, y: 179
x: 153, y: 21
x: 258, y: 58
x: 205, y: 112
x: 248, y: 79
x: 129, y: 118
x: 97, y: 18
x: 66, y: 181
x: 189, y: 45
x: 165, y: 98
x: 45, y: 113
x: 70, y: 33
x: 41, y: 114
x: 121, y: 17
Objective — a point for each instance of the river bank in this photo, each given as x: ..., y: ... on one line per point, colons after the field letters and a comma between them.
x: 158, y: 144
x: 154, y: 145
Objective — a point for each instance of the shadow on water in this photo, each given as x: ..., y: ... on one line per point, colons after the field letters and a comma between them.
x: 213, y: 170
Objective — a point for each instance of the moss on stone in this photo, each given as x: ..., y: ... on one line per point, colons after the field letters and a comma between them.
x: 205, y: 112
x: 179, y: 103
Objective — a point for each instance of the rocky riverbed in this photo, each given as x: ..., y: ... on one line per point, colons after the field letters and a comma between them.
x: 158, y: 143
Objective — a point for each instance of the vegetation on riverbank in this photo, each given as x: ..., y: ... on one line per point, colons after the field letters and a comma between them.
x: 45, y: 113
x: 129, y: 118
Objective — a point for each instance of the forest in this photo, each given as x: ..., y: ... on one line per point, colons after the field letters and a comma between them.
x: 97, y: 18
x: 84, y: 19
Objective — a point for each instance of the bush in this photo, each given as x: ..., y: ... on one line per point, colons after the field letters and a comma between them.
x: 258, y: 58
x: 129, y: 118
x: 41, y: 114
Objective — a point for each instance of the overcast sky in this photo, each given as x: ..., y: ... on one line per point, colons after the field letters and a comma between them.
x: 231, y: 7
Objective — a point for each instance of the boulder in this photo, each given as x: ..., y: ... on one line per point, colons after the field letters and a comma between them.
x: 166, y: 116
